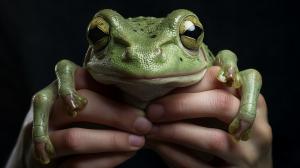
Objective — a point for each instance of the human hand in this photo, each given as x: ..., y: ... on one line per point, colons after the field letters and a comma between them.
x: 104, y: 134
x: 182, y: 136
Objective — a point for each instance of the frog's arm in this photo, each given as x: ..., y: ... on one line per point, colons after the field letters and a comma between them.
x: 251, y: 82
x: 248, y: 81
x: 42, y: 102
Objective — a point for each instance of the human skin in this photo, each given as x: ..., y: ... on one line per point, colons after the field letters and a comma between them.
x: 182, y: 143
x: 84, y: 147
x: 146, y: 58
x: 178, y: 142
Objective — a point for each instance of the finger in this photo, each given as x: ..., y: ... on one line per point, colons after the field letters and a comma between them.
x: 218, y: 142
x: 262, y: 108
x: 97, y: 160
x: 213, y: 103
x: 210, y: 140
x: 103, y: 111
x: 88, y: 141
x: 177, y: 157
x: 261, y: 130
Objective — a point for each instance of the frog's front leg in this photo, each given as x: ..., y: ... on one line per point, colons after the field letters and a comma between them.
x: 42, y: 104
x: 249, y: 82
x: 65, y: 73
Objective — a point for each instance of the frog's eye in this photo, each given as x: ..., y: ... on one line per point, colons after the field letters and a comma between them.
x: 98, y: 33
x: 191, y: 33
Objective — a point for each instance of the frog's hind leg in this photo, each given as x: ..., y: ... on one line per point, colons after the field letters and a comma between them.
x: 42, y: 104
x: 251, y: 83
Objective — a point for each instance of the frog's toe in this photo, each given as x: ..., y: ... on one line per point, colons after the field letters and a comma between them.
x: 74, y: 103
x: 240, y: 129
x: 221, y: 76
x: 43, y: 149
x: 230, y: 76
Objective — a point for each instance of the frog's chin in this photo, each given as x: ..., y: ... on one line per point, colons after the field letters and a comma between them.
x: 146, y: 90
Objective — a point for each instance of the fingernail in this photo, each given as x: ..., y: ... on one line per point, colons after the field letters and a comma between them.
x: 155, y: 111
x: 136, y: 141
x: 142, y: 125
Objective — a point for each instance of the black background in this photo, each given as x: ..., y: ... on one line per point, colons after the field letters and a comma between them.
x: 35, y: 34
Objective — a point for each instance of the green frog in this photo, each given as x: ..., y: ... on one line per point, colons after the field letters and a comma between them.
x: 146, y: 58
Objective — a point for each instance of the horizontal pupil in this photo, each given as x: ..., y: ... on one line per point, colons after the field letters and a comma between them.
x: 95, y: 34
x: 194, y: 33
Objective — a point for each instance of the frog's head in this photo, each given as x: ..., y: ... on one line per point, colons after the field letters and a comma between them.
x: 145, y: 49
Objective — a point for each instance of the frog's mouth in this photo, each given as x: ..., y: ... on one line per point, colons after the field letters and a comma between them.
x: 185, y: 79
x: 146, y: 89
x: 176, y: 79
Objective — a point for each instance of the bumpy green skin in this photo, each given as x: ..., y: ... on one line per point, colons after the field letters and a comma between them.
x: 145, y: 58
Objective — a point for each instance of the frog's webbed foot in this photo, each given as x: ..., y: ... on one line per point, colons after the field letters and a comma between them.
x: 229, y: 72
x: 65, y: 73
x: 240, y: 128
x: 74, y: 103
x: 230, y: 76
x: 43, y: 149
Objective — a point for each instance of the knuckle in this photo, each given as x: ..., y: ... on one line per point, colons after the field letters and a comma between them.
x: 72, y: 139
x: 116, y: 141
x: 218, y: 141
x: 170, y: 131
x: 251, y: 159
x: 251, y: 162
x: 224, y: 101
x: 175, y: 106
x: 173, y: 131
x: 264, y: 129
x: 179, y: 105
x: 265, y: 134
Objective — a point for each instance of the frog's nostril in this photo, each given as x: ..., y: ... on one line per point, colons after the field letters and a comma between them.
x: 126, y: 55
x: 153, y: 36
x: 158, y: 51
x: 141, y: 54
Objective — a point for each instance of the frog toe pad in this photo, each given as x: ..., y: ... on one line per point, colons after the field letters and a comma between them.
x: 240, y: 129
x: 74, y: 103
x: 230, y: 76
x: 43, y: 149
